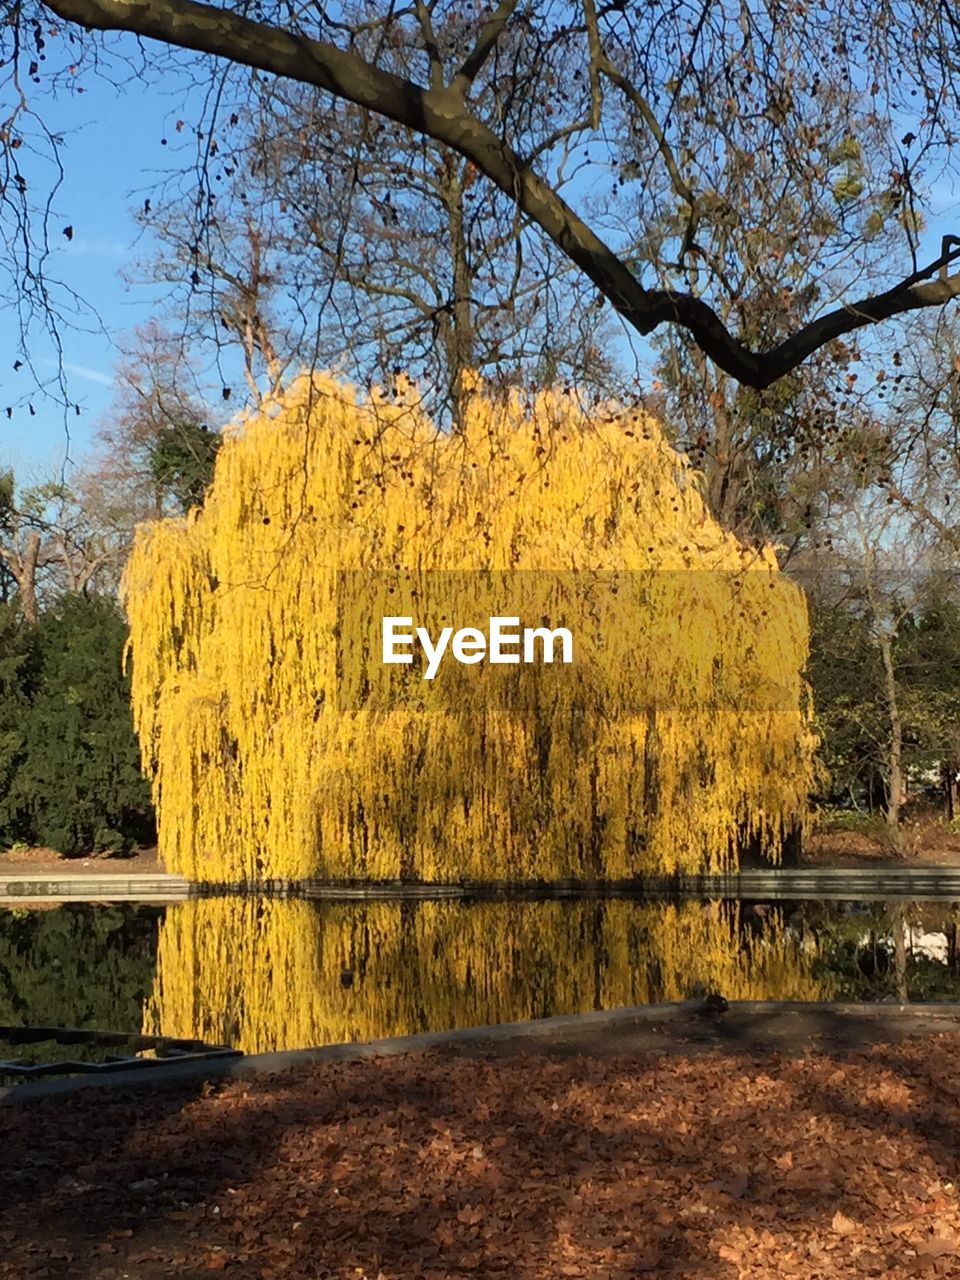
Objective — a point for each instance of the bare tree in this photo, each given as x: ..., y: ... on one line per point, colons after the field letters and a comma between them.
x: 770, y: 455
x: 492, y: 88
x: 916, y: 458
x: 155, y: 448
x: 344, y: 241
x: 20, y: 547
x: 880, y: 577
x: 154, y: 456
x: 53, y: 539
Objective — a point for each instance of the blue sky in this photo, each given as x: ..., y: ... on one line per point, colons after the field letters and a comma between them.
x: 113, y: 157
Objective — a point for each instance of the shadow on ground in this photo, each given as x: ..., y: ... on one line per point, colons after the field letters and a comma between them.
x: 801, y: 1144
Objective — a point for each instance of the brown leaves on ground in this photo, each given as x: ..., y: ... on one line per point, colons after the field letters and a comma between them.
x: 440, y: 1167
x: 43, y: 861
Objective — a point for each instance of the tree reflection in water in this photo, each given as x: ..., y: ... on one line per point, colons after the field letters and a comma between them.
x: 269, y: 974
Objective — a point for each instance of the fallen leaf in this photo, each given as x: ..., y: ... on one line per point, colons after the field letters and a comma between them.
x: 936, y: 1247
x: 843, y: 1226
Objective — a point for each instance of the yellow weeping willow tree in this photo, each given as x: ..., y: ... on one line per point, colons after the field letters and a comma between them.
x: 269, y: 974
x: 279, y: 744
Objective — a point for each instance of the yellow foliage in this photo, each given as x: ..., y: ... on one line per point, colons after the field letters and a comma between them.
x: 279, y: 746
x: 267, y: 974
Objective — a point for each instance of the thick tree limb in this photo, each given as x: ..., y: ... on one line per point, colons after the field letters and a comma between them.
x: 24, y: 564
x: 441, y: 114
x: 473, y: 63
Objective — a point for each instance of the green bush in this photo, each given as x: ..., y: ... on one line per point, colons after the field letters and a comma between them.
x: 19, y: 676
x: 70, y: 769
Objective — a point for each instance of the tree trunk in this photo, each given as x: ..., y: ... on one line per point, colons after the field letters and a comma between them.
x: 951, y: 798
x: 900, y: 952
x: 24, y: 569
x: 895, y: 746
x: 460, y: 333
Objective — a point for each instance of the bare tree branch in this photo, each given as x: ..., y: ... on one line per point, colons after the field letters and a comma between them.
x: 440, y: 113
x: 473, y: 63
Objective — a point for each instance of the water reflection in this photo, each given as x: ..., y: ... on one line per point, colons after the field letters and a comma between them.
x: 893, y: 951
x: 267, y: 974
x: 270, y: 974
x: 77, y: 965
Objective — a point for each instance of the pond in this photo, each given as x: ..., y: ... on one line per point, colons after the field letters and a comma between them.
x: 268, y: 973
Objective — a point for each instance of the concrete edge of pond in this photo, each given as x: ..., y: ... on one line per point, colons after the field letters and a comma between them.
x: 769, y: 884
x: 110, y: 886
x: 573, y: 1032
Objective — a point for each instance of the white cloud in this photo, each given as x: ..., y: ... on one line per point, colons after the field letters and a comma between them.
x: 90, y: 375
x: 86, y: 247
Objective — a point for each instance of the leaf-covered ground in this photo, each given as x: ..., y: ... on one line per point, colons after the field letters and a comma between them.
x: 718, y: 1165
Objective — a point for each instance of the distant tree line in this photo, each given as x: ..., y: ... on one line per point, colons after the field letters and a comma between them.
x: 70, y: 775
x: 887, y: 693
